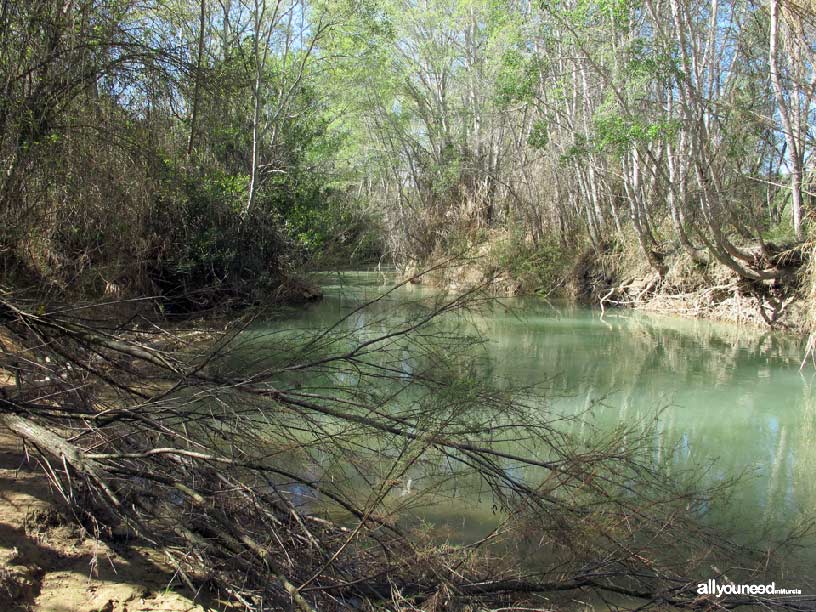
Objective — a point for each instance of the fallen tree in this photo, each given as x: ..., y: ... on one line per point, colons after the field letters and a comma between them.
x: 269, y: 469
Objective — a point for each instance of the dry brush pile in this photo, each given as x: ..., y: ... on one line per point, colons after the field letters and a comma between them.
x: 272, y: 481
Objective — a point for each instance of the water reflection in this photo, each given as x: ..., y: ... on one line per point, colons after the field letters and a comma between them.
x: 728, y: 393
x: 709, y: 391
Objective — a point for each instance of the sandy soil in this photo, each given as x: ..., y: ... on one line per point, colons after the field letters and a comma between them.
x: 49, y: 564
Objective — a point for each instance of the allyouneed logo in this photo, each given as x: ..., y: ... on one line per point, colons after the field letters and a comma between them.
x: 711, y: 587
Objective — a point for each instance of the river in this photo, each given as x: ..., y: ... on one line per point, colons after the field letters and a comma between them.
x: 718, y: 395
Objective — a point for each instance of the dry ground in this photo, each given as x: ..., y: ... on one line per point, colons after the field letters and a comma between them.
x: 50, y: 564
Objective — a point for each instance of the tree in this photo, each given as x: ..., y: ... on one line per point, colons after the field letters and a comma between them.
x: 794, y: 98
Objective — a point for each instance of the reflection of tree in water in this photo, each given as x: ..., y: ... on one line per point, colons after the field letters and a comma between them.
x: 726, y: 392
x: 602, y: 381
x: 802, y: 458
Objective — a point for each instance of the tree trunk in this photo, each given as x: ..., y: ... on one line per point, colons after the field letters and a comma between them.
x: 197, y: 86
x: 794, y: 147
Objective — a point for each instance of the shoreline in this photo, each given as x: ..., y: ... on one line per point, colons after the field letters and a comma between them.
x: 713, y: 293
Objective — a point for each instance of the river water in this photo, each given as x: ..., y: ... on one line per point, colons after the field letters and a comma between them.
x: 721, y: 395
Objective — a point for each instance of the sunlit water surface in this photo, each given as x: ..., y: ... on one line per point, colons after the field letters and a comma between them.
x: 730, y: 395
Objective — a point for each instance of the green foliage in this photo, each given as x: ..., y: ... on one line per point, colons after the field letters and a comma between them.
x: 780, y: 234
x: 207, y: 251
x: 619, y: 133
x: 537, y: 266
x: 577, y: 150
x: 517, y: 77
x: 646, y: 63
x: 432, y: 122
x: 340, y: 232
x: 539, y: 135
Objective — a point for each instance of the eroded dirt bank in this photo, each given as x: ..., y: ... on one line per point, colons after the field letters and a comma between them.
x: 626, y: 280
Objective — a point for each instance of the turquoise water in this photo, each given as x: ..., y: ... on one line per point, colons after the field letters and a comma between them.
x: 727, y: 397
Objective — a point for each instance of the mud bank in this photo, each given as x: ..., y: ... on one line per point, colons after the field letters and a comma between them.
x: 625, y: 280
x: 699, y: 290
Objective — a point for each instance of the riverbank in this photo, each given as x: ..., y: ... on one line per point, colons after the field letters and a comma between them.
x: 705, y: 289
x: 622, y: 278
x: 49, y: 563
